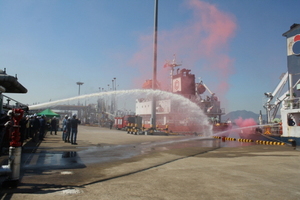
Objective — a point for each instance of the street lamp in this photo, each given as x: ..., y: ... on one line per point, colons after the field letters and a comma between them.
x: 154, y: 74
x: 79, y: 84
x: 115, y: 83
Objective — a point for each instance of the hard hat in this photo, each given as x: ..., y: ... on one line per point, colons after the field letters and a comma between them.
x: 9, y: 113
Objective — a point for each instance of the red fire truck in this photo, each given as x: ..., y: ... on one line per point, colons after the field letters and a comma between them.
x: 122, y: 122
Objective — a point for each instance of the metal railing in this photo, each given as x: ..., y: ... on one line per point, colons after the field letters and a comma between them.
x: 10, y: 103
x: 291, y: 103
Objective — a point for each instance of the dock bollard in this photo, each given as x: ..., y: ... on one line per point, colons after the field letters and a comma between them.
x: 293, y: 142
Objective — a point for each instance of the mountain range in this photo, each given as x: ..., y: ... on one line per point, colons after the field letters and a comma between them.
x: 243, y: 114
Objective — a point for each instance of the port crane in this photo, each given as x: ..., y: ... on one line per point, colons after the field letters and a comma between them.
x: 273, y: 106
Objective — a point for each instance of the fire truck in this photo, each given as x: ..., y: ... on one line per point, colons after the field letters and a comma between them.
x: 121, y: 123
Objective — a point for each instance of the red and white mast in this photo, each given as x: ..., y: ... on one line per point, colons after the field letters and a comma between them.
x: 172, y: 66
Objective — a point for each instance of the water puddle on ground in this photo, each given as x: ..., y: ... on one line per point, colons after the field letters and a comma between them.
x: 102, y: 154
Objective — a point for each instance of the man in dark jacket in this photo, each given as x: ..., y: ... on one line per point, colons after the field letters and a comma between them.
x: 64, y: 127
x: 42, y: 127
x: 53, y: 125
x: 74, y: 129
x: 68, y: 130
x: 35, y: 127
x: 22, y: 129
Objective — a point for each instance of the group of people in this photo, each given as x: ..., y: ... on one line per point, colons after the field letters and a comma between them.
x: 35, y: 128
x: 30, y: 126
x: 70, y: 129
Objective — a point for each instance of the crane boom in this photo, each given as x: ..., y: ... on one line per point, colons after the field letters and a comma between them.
x: 275, y: 106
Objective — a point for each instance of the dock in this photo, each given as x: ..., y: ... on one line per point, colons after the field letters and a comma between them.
x: 111, y: 164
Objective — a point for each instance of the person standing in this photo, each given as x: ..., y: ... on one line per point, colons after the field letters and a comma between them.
x: 42, y: 127
x: 111, y: 124
x: 7, y: 124
x: 35, y: 128
x: 53, y: 125
x: 68, y: 130
x: 64, y: 126
x: 74, y: 129
x: 22, y: 129
x: 27, y: 127
x: 30, y: 129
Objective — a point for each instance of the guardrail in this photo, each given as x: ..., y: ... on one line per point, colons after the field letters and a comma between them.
x: 262, y: 142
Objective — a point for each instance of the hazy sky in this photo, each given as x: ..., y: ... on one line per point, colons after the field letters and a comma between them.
x: 235, y: 46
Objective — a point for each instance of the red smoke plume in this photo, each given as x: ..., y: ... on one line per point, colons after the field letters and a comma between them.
x: 201, y: 43
x: 242, y: 123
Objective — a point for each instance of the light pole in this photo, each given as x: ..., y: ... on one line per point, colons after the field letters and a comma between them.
x: 115, y: 83
x: 79, y: 84
x: 115, y: 103
x: 112, y: 98
x: 153, y: 112
x: 107, y: 100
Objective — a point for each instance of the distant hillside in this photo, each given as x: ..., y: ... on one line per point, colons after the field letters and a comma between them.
x: 241, y: 113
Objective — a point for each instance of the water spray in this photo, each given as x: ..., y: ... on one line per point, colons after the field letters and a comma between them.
x: 190, y: 107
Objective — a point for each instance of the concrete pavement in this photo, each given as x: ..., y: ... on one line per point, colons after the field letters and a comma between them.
x: 111, y: 164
